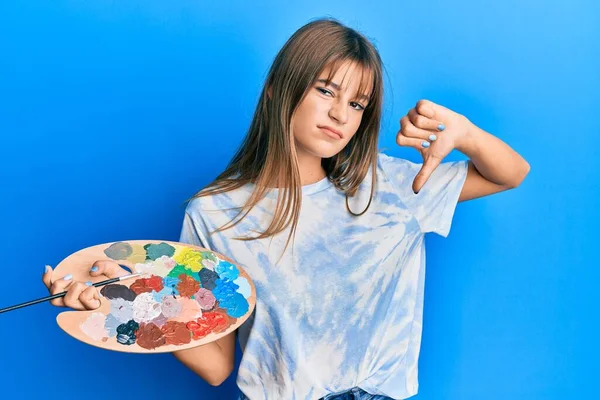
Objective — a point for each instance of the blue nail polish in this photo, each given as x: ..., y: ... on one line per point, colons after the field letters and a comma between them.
x: 88, y: 283
x: 68, y: 277
x: 94, y: 269
x: 432, y: 138
x: 425, y: 144
x: 441, y: 127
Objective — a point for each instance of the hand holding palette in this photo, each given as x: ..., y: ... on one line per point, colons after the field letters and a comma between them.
x: 187, y: 296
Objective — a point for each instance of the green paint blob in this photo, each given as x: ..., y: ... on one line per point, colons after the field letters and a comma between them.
x: 119, y: 250
x: 181, y: 269
x: 154, y: 251
x: 209, y: 255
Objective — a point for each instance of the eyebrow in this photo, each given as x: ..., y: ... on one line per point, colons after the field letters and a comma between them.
x: 337, y: 87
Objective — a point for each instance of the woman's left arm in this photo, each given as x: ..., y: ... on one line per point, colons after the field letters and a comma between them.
x: 435, y: 131
x: 493, y: 167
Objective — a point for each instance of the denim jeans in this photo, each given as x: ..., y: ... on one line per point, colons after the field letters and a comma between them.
x: 355, y: 393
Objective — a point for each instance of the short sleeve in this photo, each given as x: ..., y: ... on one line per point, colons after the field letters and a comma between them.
x: 433, y: 207
x: 191, y: 230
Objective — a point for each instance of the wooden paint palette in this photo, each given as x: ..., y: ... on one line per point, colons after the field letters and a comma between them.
x: 188, y: 296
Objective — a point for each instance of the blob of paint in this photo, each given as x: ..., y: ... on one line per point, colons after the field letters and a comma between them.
x: 154, y: 251
x: 119, y: 251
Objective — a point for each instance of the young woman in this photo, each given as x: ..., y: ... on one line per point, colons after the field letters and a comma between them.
x: 330, y: 229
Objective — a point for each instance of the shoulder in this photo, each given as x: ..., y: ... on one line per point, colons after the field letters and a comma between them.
x: 218, y: 201
x: 195, y: 204
x: 395, y: 169
x: 399, y: 169
x: 386, y: 161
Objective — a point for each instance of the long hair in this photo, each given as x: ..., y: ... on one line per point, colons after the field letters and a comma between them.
x: 268, y: 155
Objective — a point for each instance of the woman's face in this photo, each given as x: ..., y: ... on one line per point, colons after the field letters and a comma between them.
x: 333, y: 106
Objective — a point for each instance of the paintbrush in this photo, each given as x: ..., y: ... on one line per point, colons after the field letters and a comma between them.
x: 58, y: 295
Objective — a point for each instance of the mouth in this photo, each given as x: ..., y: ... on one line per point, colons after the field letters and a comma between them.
x: 334, y: 133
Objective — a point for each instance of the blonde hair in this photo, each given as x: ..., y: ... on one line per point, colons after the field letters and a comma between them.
x: 267, y: 154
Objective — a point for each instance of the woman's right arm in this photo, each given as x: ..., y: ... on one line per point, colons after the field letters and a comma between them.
x: 213, y: 362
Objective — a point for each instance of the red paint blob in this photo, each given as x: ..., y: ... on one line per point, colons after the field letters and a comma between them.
x: 147, y: 285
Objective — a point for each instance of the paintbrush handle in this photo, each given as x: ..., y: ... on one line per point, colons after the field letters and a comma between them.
x: 54, y: 296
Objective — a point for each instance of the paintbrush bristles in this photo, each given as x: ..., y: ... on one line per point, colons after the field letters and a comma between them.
x: 124, y: 277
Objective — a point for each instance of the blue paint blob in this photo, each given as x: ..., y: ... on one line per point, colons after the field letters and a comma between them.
x: 224, y: 288
x: 236, y: 305
x: 244, y: 287
x: 227, y: 270
x: 208, y: 278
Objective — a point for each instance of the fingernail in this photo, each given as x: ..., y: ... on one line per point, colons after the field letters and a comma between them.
x: 441, y: 127
x: 88, y: 283
x: 415, y: 192
x: 68, y: 277
x: 46, y: 268
x: 425, y: 144
x: 432, y: 138
x: 94, y: 269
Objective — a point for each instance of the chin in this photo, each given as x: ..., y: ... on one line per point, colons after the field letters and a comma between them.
x: 324, y: 151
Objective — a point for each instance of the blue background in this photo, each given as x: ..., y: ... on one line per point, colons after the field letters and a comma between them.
x: 113, y: 113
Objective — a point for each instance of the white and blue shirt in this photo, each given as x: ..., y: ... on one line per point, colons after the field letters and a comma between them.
x: 344, y: 306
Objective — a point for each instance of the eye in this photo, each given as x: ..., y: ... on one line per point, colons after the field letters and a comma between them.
x: 324, y: 91
x: 353, y: 104
x: 360, y: 106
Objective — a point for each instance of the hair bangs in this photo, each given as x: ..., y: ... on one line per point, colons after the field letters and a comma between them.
x: 362, y: 69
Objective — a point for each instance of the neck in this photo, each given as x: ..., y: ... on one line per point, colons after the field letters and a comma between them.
x: 310, y: 167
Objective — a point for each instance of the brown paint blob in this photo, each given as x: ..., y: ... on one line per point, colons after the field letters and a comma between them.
x: 176, y: 333
x: 149, y: 336
x: 187, y: 285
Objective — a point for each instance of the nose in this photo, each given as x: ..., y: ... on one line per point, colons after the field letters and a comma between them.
x: 339, y: 112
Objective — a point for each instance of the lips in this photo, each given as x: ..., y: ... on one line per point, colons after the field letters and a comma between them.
x: 333, y: 130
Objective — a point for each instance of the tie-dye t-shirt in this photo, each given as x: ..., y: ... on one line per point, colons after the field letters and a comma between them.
x: 344, y: 308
